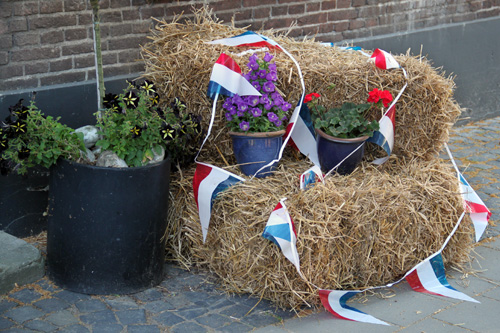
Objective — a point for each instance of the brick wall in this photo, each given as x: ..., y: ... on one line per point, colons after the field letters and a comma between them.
x: 47, y: 42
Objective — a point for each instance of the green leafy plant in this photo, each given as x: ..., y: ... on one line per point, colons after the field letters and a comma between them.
x: 135, y: 128
x: 28, y: 138
x: 348, y: 120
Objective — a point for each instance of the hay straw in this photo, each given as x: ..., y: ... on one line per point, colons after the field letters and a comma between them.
x: 362, y: 230
x: 180, y: 61
x: 365, y: 229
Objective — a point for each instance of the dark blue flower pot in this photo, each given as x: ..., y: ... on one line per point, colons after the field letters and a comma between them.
x: 331, y: 151
x: 254, y: 150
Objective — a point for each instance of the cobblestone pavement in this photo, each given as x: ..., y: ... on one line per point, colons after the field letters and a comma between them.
x: 190, y: 301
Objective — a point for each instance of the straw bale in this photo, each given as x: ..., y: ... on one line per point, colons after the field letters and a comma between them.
x: 365, y: 229
x: 180, y: 61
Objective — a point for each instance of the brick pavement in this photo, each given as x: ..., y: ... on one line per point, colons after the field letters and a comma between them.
x: 190, y: 301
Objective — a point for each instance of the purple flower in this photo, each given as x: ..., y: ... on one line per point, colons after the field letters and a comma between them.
x: 264, y: 99
x: 277, y: 99
x: 240, y: 113
x: 256, y: 112
x: 262, y: 74
x: 277, y: 123
x: 232, y: 110
x: 268, y: 106
x: 272, y: 117
x: 268, y: 87
x: 242, y: 106
x: 244, y: 126
x: 228, y: 116
x: 252, y: 100
x: 272, y: 76
x: 272, y: 67
x: 256, y: 85
x: 253, y: 76
x: 286, y: 106
x: 268, y: 57
x: 284, y: 118
x: 252, y: 62
x: 227, y: 103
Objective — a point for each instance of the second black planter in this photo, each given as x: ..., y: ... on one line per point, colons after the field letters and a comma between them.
x: 106, y: 227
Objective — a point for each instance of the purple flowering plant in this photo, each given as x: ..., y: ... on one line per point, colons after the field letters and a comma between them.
x: 266, y: 113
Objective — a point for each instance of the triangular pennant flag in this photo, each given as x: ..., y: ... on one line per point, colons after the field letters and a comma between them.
x: 335, y: 302
x: 311, y: 176
x: 429, y: 277
x: 384, y: 137
x: 303, y: 135
x: 384, y: 60
x: 281, y: 231
x: 478, y: 212
x: 208, y: 182
x: 248, y: 39
x: 226, y: 79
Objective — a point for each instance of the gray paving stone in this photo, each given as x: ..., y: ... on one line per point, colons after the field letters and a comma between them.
x: 90, y: 305
x: 6, y: 305
x: 465, y: 315
x: 5, y: 323
x: 51, y: 304
x: 143, y: 329
x: 107, y: 328
x: 236, y: 311
x: 20, y: 262
x: 260, y: 318
x: 99, y: 317
x: 76, y: 328
x: 129, y: 317
x: 70, y: 296
x: 122, y: 303
x: 434, y: 325
x: 214, y: 320
x: 158, y: 306
x: 236, y: 327
x: 62, y: 318
x: 40, y: 326
x: 23, y: 313
x: 168, y: 319
x: 192, y: 313
x: 188, y: 327
x: 26, y: 296
x: 149, y: 295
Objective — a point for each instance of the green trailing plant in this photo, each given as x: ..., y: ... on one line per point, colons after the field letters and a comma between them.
x: 347, y: 121
x: 28, y: 138
x: 135, y: 128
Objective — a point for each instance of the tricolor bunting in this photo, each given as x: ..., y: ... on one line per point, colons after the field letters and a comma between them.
x: 303, y: 135
x: 226, y: 79
x: 384, y: 137
x: 311, y: 176
x: 281, y: 231
x: 478, y: 212
x: 429, y: 277
x: 384, y: 60
x: 208, y: 182
x: 248, y: 39
x: 335, y: 302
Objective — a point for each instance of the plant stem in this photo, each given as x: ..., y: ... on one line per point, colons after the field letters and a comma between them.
x: 97, y: 52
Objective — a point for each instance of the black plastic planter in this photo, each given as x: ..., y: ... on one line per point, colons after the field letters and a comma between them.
x: 106, y: 227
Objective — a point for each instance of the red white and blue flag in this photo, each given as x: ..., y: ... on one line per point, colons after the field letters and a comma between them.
x: 226, y: 79
x: 383, y: 59
x: 280, y: 230
x: 248, y: 39
x: 311, y: 176
x: 335, y: 302
x: 208, y: 182
x: 303, y: 135
x: 384, y: 137
x: 478, y: 212
x: 429, y: 277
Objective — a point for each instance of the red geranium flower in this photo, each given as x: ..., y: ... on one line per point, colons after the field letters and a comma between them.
x: 376, y: 95
x: 309, y: 97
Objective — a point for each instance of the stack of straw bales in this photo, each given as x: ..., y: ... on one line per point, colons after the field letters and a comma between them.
x: 355, y: 231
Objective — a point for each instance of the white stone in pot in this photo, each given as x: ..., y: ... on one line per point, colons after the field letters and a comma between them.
x: 90, y: 135
x: 157, y: 158
x: 110, y: 159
